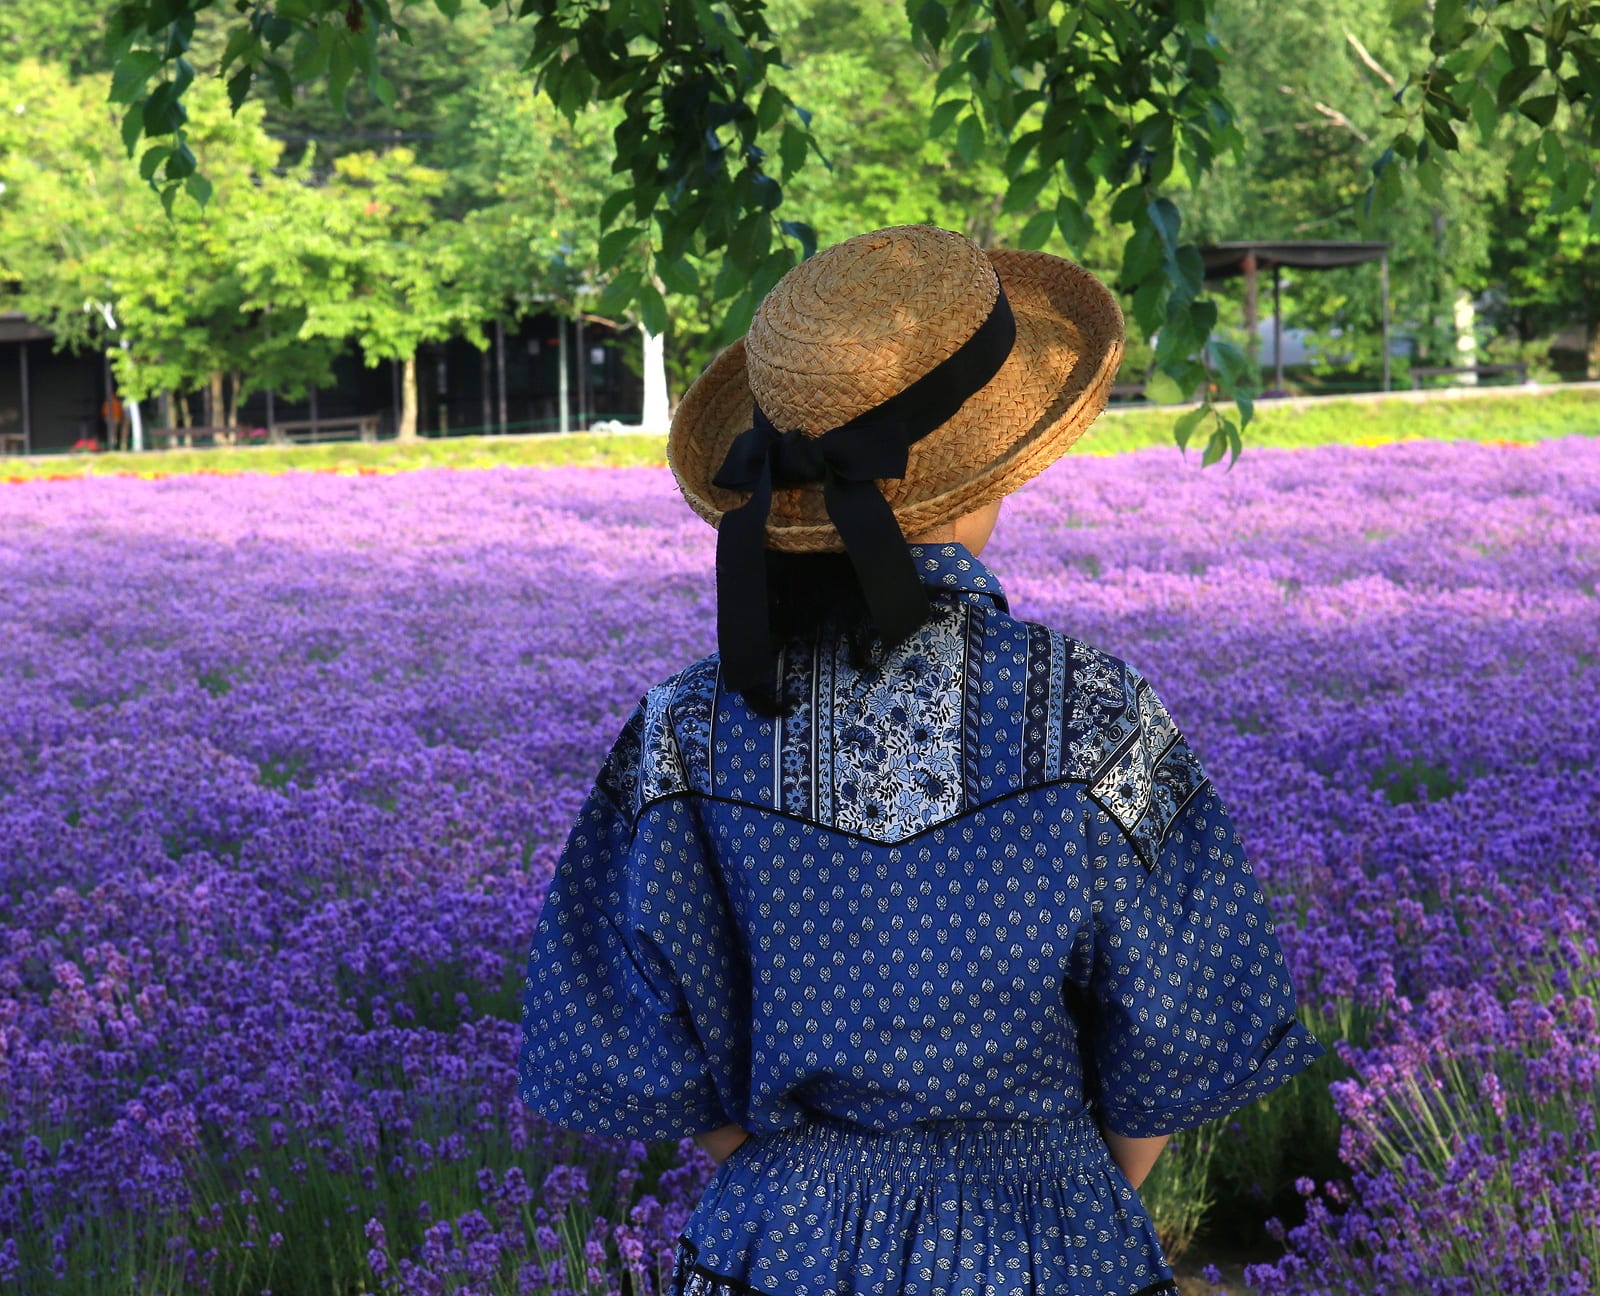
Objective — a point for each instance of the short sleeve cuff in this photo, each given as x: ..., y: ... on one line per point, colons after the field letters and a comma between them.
x: 622, y: 1115
x: 1296, y: 1049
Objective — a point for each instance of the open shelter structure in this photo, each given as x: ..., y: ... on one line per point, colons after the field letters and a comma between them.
x: 1227, y: 260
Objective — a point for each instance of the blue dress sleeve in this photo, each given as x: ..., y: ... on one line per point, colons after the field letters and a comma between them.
x: 626, y: 1016
x: 1194, y: 1010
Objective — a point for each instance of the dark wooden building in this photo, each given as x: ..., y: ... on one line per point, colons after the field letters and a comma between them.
x: 50, y: 400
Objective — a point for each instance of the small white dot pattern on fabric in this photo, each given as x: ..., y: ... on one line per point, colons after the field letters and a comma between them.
x: 939, y: 922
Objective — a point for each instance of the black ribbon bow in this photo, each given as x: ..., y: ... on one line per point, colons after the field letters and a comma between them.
x: 848, y: 460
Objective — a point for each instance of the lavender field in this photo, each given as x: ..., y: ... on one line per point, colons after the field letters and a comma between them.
x: 285, y: 763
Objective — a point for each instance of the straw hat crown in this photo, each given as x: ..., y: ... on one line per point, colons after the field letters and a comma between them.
x: 857, y: 323
x: 861, y: 321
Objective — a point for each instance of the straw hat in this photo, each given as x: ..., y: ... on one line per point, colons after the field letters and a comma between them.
x: 905, y: 368
x: 856, y: 323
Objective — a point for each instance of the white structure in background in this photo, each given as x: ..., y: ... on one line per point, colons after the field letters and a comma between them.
x: 1298, y: 348
x: 655, y: 417
x: 135, y: 422
x: 1466, y: 316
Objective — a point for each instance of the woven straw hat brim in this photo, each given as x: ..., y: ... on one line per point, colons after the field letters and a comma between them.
x: 1053, y: 385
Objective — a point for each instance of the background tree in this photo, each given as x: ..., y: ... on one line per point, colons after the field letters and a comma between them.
x: 1069, y: 96
x: 361, y: 259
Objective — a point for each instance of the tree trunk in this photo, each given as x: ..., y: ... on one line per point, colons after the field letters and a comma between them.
x: 655, y: 418
x: 408, y: 401
x: 1591, y: 368
x: 214, y: 399
x: 234, y: 383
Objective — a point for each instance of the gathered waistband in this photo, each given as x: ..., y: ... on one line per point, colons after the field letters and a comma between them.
x: 987, y: 1149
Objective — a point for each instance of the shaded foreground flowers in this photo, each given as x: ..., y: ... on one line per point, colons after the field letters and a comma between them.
x: 285, y: 763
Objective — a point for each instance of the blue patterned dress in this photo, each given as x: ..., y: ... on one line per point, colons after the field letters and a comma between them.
x: 921, y: 938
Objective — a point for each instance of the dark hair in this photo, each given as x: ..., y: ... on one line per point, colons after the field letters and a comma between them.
x: 813, y: 597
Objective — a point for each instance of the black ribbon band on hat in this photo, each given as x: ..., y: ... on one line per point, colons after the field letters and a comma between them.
x: 848, y: 460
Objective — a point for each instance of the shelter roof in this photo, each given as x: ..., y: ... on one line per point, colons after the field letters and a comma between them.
x: 17, y: 327
x: 1225, y: 260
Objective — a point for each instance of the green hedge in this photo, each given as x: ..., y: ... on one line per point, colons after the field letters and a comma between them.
x: 1520, y: 416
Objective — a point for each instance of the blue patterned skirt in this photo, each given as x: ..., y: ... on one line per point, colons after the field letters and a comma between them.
x: 943, y: 1208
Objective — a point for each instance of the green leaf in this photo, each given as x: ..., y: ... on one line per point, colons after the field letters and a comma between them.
x: 616, y: 245
x: 282, y: 84
x: 1141, y: 255
x: 1185, y: 427
x: 1449, y: 19
x: 341, y: 68
x: 1076, y: 226
x: 132, y: 71
x: 1233, y: 362
x: 1216, y: 447
x: 1127, y: 205
x: 944, y: 112
x: 239, y: 87
x: 1162, y: 388
x: 652, y: 309
x: 382, y: 89
x: 1540, y: 109
x: 770, y: 111
x: 613, y: 206
x: 449, y: 8
x: 199, y: 188
x: 801, y: 231
x: 1513, y: 83
x: 1023, y: 193
x: 1164, y: 216
x: 969, y: 138
x: 679, y: 276
x: 151, y: 162
x: 133, y: 125
x: 792, y: 146
x: 181, y: 163
x: 1036, y: 233
x: 932, y: 19
x: 275, y: 30
x: 619, y: 294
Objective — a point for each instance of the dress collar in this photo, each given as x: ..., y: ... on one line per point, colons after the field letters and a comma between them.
x: 954, y: 568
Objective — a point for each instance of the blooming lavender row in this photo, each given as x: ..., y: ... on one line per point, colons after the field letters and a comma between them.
x: 285, y: 764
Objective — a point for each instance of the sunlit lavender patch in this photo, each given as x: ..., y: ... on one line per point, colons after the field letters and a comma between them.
x: 285, y: 763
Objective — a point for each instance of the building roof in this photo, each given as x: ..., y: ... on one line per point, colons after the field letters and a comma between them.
x: 17, y: 327
x: 1225, y: 260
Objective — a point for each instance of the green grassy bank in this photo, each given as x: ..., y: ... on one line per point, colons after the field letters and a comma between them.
x: 1519, y: 416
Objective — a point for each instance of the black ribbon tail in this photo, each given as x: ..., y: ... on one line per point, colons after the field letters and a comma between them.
x: 895, y: 594
x: 743, y: 638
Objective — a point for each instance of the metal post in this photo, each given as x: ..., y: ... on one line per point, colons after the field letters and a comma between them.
x: 585, y: 412
x: 1277, y: 323
x: 563, y: 398
x: 500, y: 366
x: 396, y: 396
x: 1252, y: 341
x: 108, y: 420
x: 483, y: 389
x: 27, y: 407
x: 1383, y: 262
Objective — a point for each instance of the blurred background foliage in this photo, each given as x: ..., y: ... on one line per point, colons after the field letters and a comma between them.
x: 459, y: 196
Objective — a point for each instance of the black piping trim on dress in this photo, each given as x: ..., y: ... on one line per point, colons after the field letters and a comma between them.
x: 691, y: 1278
x: 1034, y: 789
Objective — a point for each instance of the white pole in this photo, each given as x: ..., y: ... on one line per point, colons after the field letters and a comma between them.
x: 561, y: 357
x: 655, y: 382
x: 135, y: 422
